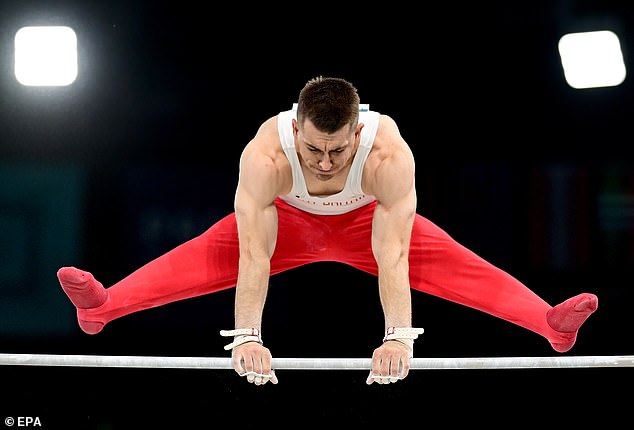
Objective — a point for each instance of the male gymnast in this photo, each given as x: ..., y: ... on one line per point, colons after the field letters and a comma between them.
x: 328, y: 180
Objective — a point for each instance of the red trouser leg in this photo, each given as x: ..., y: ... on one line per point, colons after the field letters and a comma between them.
x: 205, y: 264
x: 202, y: 265
x: 442, y: 267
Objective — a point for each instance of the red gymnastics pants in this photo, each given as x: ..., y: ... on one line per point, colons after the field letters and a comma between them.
x: 438, y: 265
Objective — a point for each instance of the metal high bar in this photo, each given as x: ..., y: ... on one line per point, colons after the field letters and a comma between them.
x: 158, y: 362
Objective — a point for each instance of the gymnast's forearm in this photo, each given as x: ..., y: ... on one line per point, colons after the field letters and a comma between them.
x: 395, y: 295
x: 251, y: 291
x: 389, y: 246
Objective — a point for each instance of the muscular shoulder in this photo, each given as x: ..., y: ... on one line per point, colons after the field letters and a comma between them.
x: 390, y: 164
x: 264, y: 168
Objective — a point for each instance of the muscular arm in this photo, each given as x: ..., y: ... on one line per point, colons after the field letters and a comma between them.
x: 256, y: 216
x: 391, y: 231
x: 393, y: 184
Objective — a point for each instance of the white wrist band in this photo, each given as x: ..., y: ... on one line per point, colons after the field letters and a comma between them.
x: 400, y: 333
x: 242, y: 335
x: 405, y: 335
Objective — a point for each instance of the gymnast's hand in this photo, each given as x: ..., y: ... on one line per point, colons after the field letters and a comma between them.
x: 253, y: 360
x: 390, y: 363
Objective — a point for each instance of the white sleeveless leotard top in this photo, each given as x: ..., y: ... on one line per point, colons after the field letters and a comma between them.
x: 348, y: 199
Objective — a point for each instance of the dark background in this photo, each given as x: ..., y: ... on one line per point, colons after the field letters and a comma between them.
x: 141, y: 154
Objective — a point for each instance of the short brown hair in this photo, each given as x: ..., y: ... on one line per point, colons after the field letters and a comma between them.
x: 329, y: 103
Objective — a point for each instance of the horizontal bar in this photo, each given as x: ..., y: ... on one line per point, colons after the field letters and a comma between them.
x: 155, y: 362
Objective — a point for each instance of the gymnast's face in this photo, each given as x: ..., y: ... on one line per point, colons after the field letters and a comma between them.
x: 323, y: 154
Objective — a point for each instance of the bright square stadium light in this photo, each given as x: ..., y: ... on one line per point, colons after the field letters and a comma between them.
x: 592, y: 59
x: 46, y: 56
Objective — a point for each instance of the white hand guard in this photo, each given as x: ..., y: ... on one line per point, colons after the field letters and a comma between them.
x: 242, y: 335
x: 404, y: 335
